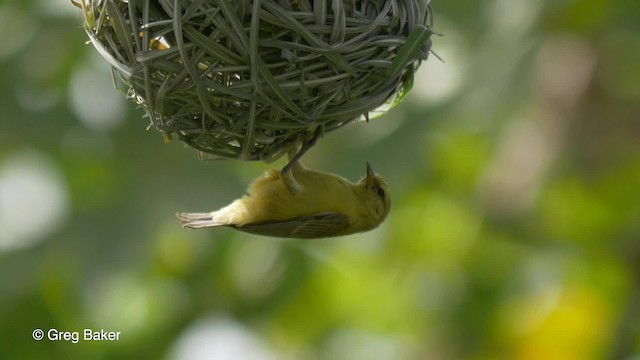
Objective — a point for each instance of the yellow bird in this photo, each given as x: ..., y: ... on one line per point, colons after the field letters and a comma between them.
x: 320, y: 205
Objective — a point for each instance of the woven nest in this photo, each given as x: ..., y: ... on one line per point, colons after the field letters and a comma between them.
x: 251, y: 79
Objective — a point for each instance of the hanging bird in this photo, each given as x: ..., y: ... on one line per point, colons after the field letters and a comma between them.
x: 319, y: 205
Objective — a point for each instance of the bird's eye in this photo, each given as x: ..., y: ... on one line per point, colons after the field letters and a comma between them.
x: 380, y: 192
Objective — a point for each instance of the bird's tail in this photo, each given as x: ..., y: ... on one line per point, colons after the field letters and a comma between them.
x: 197, y: 220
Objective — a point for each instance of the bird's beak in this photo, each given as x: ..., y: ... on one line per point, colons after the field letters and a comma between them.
x: 370, y: 174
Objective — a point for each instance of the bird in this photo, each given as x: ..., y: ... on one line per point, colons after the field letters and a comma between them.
x: 320, y: 205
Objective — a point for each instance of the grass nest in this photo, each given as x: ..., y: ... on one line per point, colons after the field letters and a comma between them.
x: 252, y: 79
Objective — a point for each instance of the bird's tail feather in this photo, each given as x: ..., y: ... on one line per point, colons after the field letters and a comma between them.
x: 197, y: 220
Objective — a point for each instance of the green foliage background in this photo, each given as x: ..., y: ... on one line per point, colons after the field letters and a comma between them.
x: 514, y: 233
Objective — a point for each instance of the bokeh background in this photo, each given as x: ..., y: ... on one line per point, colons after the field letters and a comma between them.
x: 514, y: 234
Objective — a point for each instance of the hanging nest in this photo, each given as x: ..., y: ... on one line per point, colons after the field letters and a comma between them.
x: 251, y: 79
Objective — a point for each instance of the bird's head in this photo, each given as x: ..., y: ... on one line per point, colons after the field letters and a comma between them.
x: 377, y: 197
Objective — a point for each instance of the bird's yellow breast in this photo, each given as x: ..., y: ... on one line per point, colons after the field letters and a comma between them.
x: 269, y: 198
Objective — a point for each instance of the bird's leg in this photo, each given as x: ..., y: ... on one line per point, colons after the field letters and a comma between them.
x: 293, y: 165
x: 294, y: 161
x: 286, y: 174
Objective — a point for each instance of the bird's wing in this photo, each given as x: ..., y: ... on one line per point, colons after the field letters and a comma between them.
x: 313, y: 226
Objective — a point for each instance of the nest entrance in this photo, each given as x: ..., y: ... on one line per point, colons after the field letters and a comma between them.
x: 251, y: 79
